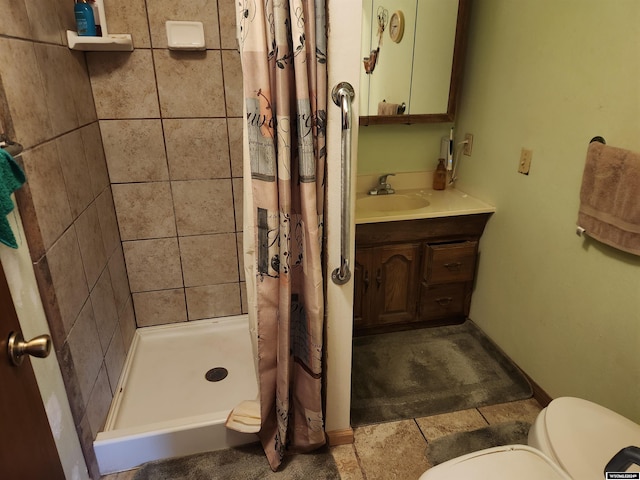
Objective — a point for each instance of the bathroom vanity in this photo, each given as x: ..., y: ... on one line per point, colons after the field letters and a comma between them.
x: 415, y: 267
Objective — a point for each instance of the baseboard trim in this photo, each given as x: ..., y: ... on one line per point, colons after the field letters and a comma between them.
x: 340, y: 437
x: 539, y: 394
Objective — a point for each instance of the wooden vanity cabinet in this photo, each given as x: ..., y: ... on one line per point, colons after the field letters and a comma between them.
x: 415, y: 273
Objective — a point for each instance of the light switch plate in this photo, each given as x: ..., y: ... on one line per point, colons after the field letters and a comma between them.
x: 525, y: 161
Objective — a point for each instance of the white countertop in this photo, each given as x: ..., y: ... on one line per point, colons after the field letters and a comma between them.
x: 442, y: 203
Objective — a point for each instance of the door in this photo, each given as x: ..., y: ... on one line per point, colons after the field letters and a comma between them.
x: 27, y: 448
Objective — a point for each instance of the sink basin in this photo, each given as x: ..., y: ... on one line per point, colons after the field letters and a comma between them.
x: 391, y: 203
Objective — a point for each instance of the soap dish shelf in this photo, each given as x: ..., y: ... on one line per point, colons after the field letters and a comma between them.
x: 114, y: 42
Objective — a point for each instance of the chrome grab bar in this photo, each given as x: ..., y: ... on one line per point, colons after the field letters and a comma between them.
x: 343, y: 95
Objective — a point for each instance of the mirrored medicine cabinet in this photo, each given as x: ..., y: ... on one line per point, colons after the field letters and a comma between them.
x: 412, y: 60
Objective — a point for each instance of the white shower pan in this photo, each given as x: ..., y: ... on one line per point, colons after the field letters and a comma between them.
x: 164, y: 405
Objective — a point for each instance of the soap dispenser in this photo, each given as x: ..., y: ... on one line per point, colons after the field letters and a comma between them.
x: 85, y: 20
x: 440, y: 176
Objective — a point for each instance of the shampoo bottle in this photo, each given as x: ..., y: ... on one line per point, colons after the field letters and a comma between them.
x: 440, y: 176
x: 85, y: 20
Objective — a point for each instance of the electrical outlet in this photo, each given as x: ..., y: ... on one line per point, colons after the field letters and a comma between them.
x: 525, y: 161
x: 468, y: 146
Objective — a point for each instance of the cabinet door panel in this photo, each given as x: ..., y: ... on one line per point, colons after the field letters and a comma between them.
x: 450, y: 262
x: 362, y: 284
x: 397, y: 274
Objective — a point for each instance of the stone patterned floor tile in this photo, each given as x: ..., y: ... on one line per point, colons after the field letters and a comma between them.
x: 523, y: 410
x: 392, y: 450
x: 347, y: 461
x: 437, y: 426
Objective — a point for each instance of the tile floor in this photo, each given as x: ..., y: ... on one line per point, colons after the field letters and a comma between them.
x: 396, y: 450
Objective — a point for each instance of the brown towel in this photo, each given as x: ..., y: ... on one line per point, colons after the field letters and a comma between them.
x: 610, y: 197
x: 385, y: 108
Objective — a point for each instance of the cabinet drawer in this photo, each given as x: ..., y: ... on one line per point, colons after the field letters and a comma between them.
x: 440, y: 301
x: 450, y: 262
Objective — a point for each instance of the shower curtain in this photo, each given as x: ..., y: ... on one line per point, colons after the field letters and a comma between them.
x: 283, y: 54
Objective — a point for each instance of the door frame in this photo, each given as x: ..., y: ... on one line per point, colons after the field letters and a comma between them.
x: 343, y: 54
x: 18, y: 270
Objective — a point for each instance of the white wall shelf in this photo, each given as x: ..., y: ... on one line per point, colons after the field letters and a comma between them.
x: 114, y: 42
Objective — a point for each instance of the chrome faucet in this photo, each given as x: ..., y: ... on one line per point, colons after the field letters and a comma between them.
x: 383, y: 188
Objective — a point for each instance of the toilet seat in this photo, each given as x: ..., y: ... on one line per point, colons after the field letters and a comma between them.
x: 498, y: 463
x: 582, y: 436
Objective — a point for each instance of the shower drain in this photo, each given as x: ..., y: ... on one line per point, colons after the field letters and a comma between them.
x: 216, y: 374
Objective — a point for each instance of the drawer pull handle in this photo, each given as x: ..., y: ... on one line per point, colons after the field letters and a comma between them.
x: 366, y: 280
x: 444, y: 301
x: 453, y: 266
x: 379, y: 277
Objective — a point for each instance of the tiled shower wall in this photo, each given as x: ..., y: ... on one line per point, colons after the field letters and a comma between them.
x: 66, y: 205
x: 172, y: 133
x: 171, y: 129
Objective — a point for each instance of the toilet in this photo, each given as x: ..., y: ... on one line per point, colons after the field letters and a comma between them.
x: 570, y: 438
x: 499, y: 463
x: 582, y: 437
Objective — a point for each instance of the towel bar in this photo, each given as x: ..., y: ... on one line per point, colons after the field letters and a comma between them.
x: 598, y: 139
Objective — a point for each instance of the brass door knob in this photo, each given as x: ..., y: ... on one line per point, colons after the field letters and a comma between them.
x: 39, y: 346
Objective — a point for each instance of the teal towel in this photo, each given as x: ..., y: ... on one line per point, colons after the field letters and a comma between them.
x: 11, y: 178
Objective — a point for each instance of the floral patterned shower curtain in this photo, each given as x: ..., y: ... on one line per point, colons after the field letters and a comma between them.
x: 283, y: 52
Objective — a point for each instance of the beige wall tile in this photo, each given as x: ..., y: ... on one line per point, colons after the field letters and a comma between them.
x: 104, y: 309
x: 81, y: 86
x: 203, y: 206
x: 177, y: 74
x: 160, y: 307
x: 14, y: 20
x: 238, y: 199
x: 197, y: 149
x: 67, y: 276
x: 23, y: 86
x: 134, y: 150
x: 123, y: 84
x: 209, y: 259
x: 127, y: 322
x: 153, y: 264
x: 44, y: 20
x: 66, y: 18
x: 205, y: 11
x: 48, y: 191
x: 129, y: 16
x: 89, y: 234
x: 86, y: 352
x: 213, y: 301
x: 235, y: 145
x: 232, y: 82
x: 119, y: 280
x: 108, y: 221
x: 99, y: 402
x: 94, y: 154
x: 114, y: 360
x: 227, y: 19
x: 75, y: 171
x: 374, y: 442
x: 144, y: 210
x: 437, y: 426
x: 58, y: 91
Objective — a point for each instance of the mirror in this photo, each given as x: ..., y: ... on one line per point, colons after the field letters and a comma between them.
x: 413, y: 55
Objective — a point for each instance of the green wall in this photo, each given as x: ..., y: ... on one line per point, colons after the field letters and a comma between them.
x: 549, y: 75
x: 399, y: 148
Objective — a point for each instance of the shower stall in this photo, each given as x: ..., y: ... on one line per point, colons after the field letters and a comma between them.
x: 178, y: 385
